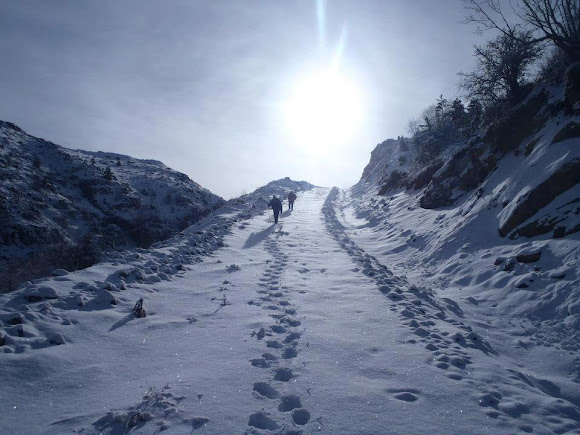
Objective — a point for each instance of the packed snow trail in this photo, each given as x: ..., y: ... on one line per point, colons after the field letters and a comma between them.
x: 290, y: 328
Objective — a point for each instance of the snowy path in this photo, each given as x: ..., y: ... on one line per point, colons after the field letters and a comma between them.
x: 290, y: 328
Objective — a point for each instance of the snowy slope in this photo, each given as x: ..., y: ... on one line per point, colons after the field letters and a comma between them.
x: 480, y: 244
x: 295, y: 328
x: 497, y: 236
x: 58, y: 207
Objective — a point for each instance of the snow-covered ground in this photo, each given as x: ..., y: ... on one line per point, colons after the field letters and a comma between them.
x: 62, y: 208
x: 312, y: 325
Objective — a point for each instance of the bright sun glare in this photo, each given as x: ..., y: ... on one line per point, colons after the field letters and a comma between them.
x: 324, y: 110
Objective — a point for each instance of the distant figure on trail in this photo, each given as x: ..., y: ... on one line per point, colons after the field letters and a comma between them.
x: 276, y: 207
x: 291, y: 198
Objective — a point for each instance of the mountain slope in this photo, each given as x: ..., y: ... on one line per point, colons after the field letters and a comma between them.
x: 494, y: 225
x: 60, y: 208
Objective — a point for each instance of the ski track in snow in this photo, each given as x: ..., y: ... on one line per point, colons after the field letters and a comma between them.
x: 342, y: 344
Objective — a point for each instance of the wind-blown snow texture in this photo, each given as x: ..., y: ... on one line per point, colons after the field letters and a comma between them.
x: 312, y: 325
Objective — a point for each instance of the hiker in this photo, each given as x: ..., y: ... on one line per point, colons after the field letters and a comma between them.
x: 276, y: 207
x: 291, y: 198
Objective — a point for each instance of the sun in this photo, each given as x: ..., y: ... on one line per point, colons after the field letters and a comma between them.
x: 324, y: 110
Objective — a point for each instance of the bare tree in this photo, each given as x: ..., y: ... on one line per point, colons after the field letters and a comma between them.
x: 413, y: 126
x: 557, y: 21
x: 502, y: 65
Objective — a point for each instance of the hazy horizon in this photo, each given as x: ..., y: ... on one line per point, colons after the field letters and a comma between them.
x: 234, y: 95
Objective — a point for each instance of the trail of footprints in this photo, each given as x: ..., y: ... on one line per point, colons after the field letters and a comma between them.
x: 445, y: 337
x: 281, y: 411
x: 428, y: 318
x: 433, y: 322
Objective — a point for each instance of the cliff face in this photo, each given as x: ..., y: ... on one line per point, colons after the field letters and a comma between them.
x: 62, y: 207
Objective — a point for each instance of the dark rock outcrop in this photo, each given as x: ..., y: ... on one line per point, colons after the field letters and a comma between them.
x: 424, y: 176
x: 524, y: 120
x: 529, y: 256
x: 463, y: 172
x: 572, y: 87
x: 394, y: 180
x: 566, y: 177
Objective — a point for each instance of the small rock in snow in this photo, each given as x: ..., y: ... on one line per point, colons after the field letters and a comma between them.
x: 529, y: 256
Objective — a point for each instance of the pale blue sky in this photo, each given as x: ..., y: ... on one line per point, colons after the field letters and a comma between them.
x: 199, y: 84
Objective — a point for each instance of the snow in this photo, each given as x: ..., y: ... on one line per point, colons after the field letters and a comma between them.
x: 53, y: 198
x: 339, y: 319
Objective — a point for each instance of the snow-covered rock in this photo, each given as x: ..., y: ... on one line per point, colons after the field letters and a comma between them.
x: 504, y: 237
x: 61, y: 208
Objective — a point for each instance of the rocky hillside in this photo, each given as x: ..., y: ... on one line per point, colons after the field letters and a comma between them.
x: 493, y: 223
x: 526, y: 166
x: 60, y: 208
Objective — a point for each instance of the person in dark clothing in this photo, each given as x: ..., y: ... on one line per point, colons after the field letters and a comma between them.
x: 291, y: 199
x: 276, y: 207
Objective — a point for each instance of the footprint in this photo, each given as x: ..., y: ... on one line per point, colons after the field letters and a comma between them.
x: 421, y: 332
x: 289, y: 352
x: 199, y: 422
x: 490, y: 400
x: 300, y: 416
x: 288, y: 403
x: 291, y: 322
x: 283, y: 374
x: 264, y: 389
x: 459, y: 362
x: 278, y: 329
x: 275, y: 344
x: 269, y: 356
x: 395, y: 297
x: 406, y: 397
x: 261, y: 420
x: 260, y: 362
x: 291, y: 337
